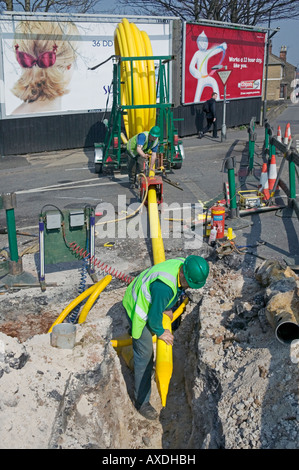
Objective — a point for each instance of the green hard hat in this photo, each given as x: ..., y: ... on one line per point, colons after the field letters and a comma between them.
x: 155, y: 131
x: 196, y: 270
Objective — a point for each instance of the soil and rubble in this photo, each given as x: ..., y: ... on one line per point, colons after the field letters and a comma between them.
x: 234, y: 385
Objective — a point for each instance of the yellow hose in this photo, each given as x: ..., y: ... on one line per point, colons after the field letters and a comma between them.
x: 93, y: 296
x: 95, y: 290
x: 155, y: 228
x: 129, y: 41
x: 164, y: 364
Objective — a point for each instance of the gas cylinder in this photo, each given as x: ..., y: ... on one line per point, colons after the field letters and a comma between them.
x: 218, y: 220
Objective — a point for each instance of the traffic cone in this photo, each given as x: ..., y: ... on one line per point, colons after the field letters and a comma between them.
x: 265, y: 191
x: 272, y: 173
x: 263, y: 186
x: 279, y: 134
x: 289, y: 131
x: 264, y: 177
x: 286, y: 136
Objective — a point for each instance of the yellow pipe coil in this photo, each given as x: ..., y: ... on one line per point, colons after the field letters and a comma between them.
x: 129, y: 41
x: 94, y: 291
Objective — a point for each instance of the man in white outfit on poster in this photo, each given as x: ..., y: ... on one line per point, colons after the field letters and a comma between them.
x: 199, y: 65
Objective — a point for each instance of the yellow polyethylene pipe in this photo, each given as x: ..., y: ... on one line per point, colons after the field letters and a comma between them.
x: 121, y: 48
x: 142, y: 73
x: 137, y: 98
x: 164, y: 364
x: 151, y: 79
x: 129, y: 41
x: 120, y: 343
x: 98, y: 287
x: 155, y: 228
x: 93, y: 296
x: 129, y: 44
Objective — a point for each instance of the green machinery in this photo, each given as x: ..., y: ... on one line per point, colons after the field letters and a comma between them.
x: 112, y: 152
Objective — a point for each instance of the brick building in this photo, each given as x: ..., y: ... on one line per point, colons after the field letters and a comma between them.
x: 280, y: 75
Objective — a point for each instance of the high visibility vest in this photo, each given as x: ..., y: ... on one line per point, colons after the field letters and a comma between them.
x: 132, y: 144
x: 137, y: 299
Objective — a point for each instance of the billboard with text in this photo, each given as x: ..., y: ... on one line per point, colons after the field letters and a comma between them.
x: 53, y: 59
x: 208, y: 50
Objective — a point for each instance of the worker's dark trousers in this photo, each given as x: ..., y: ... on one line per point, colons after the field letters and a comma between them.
x: 135, y: 166
x: 143, y: 366
x: 210, y: 123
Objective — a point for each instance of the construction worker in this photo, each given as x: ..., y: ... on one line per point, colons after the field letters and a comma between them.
x: 138, y: 148
x: 154, y: 292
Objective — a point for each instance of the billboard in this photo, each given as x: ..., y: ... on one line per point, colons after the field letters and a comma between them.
x: 46, y: 64
x: 240, y: 52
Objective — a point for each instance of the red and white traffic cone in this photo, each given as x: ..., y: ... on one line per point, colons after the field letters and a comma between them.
x: 272, y: 173
x: 263, y: 186
x: 265, y: 191
x: 263, y: 177
x: 279, y: 134
x: 289, y: 131
x: 286, y: 136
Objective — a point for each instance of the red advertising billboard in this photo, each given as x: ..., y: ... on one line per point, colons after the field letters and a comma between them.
x: 240, y: 52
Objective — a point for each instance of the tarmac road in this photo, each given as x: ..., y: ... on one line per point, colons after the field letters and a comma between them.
x: 67, y: 179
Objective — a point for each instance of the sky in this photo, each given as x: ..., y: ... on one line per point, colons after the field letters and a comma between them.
x: 287, y: 36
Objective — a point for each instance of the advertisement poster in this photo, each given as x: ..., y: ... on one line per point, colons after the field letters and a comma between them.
x: 240, y: 52
x: 60, y: 64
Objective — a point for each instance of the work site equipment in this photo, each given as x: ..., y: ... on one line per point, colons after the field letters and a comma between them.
x: 218, y: 220
x: 135, y: 107
x: 57, y: 229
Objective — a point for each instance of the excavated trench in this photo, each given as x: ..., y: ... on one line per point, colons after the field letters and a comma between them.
x: 233, y: 384
x: 26, y: 316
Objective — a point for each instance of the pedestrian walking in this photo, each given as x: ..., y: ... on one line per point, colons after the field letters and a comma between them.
x: 210, y: 110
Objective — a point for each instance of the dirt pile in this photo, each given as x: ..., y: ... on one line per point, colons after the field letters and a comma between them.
x: 234, y: 384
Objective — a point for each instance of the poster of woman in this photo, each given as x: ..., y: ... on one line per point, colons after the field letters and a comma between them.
x: 47, y: 64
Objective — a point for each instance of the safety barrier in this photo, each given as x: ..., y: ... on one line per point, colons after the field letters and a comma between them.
x: 251, y: 143
x: 269, y: 148
x: 8, y: 202
x: 291, y: 155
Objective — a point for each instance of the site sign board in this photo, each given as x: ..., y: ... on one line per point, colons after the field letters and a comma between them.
x: 209, y: 49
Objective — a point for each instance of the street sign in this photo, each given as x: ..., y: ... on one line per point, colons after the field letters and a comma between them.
x: 224, y: 74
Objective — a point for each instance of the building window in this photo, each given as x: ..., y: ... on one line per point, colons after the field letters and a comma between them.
x: 282, y: 92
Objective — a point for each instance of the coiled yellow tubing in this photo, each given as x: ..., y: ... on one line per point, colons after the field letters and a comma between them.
x: 129, y: 41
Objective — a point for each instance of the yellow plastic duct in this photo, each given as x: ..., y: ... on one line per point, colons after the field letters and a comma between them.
x: 121, y: 342
x: 139, y: 88
x: 94, y: 291
x: 138, y: 82
x: 93, y: 296
x: 164, y: 365
x: 155, y: 228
